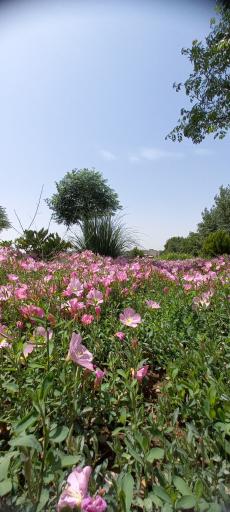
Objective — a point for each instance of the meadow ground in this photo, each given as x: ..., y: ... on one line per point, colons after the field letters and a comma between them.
x: 120, y: 369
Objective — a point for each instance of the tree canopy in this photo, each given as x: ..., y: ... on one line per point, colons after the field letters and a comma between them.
x: 208, y: 86
x: 82, y: 194
x: 218, y: 217
x: 4, y: 222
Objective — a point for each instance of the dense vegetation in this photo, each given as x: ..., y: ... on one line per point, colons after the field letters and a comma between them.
x: 142, y: 400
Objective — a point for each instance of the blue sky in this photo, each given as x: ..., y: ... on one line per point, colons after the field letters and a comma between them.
x: 89, y: 84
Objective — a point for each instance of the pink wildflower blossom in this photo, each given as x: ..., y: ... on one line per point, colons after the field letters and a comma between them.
x: 28, y: 348
x: 99, y: 376
x: 152, y: 304
x: 120, y: 335
x: 22, y: 292
x: 130, y: 317
x: 87, y: 319
x: 96, y: 504
x: 29, y: 310
x: 95, y: 297
x: 140, y: 374
x: 76, y: 489
x: 44, y: 333
x: 79, y: 353
x: 12, y: 277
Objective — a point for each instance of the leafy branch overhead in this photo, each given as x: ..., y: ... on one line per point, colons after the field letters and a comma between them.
x: 208, y: 86
x: 82, y: 194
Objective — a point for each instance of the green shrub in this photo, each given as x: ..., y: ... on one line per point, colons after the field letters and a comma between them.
x: 175, y: 256
x: 106, y: 236
x: 136, y: 252
x: 217, y: 243
x: 40, y: 244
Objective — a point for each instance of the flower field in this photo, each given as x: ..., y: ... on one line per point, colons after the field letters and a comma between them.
x: 115, y: 384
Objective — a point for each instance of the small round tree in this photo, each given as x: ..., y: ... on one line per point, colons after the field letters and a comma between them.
x: 82, y: 194
x: 4, y: 222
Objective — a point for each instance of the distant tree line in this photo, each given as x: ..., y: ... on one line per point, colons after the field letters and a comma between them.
x: 213, y: 232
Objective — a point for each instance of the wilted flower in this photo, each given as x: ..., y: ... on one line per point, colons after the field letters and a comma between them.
x: 130, y: 317
x: 79, y: 353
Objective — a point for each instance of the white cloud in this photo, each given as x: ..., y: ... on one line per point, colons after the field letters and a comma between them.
x: 158, y: 154
x: 134, y: 159
x: 107, y: 155
x: 203, y: 152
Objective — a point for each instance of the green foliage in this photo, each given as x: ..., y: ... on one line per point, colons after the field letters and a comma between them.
x: 174, y: 256
x: 136, y: 252
x: 217, y: 243
x: 82, y: 194
x: 6, y: 243
x: 4, y: 222
x: 42, y: 244
x: 106, y: 236
x: 218, y: 217
x: 208, y: 86
x: 191, y: 245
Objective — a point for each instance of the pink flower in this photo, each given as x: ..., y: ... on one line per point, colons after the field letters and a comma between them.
x: 120, y: 335
x: 87, y: 319
x: 130, y: 317
x: 29, y: 310
x: 28, y: 349
x: 97, y: 311
x: 95, y: 297
x: 22, y: 292
x: 76, y: 489
x: 79, y: 353
x: 19, y: 324
x: 140, y: 374
x: 44, y: 333
x: 96, y: 504
x: 152, y: 304
x: 74, y: 287
x: 99, y: 376
x: 5, y: 344
x: 12, y: 277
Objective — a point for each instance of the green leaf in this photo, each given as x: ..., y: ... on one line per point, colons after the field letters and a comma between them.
x: 12, y: 387
x: 59, y: 434
x: 29, y: 441
x: 69, y: 460
x: 155, y: 454
x: 26, y: 422
x: 162, y: 494
x: 5, y: 487
x: 127, y: 485
x: 181, y: 486
x: 186, y: 502
x: 43, y: 500
x: 4, y: 464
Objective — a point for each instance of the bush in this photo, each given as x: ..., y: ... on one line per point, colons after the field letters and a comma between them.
x: 106, y: 236
x: 217, y: 243
x: 175, y: 256
x: 136, y: 252
x: 42, y: 245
